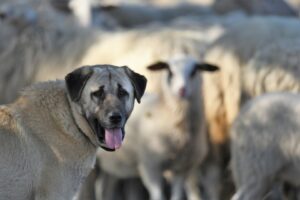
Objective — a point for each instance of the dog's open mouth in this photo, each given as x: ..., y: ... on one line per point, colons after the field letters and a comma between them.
x: 110, y: 138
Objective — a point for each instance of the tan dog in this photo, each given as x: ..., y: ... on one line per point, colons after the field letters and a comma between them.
x: 49, y: 136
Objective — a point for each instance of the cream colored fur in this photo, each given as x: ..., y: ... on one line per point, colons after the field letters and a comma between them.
x: 43, y: 153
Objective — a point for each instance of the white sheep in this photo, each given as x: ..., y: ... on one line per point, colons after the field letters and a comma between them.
x: 275, y: 67
x: 265, y: 147
x: 141, y: 47
x: 40, y: 48
x: 82, y: 10
x: 134, y: 15
x: 49, y: 53
x: 166, y: 133
x: 224, y: 91
x: 247, y: 66
x: 160, y: 2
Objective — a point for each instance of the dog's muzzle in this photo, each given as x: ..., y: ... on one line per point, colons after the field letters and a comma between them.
x: 110, y: 138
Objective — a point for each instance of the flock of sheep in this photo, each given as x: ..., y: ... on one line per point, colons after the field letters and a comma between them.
x: 206, y: 129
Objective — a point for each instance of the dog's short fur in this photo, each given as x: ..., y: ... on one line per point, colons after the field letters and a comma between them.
x: 49, y: 136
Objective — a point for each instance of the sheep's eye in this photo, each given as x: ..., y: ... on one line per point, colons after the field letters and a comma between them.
x: 99, y: 94
x: 122, y: 92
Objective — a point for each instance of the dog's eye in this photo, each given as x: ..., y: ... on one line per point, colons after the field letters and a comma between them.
x: 98, y: 94
x: 122, y: 92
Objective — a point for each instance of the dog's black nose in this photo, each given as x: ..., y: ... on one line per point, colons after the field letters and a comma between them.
x: 115, y: 117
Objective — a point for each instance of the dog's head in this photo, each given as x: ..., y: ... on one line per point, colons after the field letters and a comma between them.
x: 103, y: 95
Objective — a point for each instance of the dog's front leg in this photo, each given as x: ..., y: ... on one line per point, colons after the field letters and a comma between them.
x: 52, y: 187
x: 153, y: 180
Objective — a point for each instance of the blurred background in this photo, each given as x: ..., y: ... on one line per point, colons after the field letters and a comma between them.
x: 255, y: 43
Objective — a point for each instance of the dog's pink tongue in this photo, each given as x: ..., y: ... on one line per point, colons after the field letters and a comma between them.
x: 113, y: 138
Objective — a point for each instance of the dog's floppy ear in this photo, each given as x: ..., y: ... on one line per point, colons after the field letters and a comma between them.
x: 138, y: 81
x: 76, y: 81
x: 207, y: 67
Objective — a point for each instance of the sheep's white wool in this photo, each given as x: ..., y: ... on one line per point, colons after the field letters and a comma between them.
x: 226, y: 91
x: 265, y: 144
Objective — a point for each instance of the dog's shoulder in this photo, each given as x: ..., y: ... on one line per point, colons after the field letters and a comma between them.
x: 44, y: 90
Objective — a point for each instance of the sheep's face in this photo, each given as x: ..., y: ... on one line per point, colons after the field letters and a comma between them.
x: 181, y: 75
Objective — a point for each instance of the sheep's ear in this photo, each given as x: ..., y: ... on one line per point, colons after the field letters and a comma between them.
x: 207, y: 67
x: 138, y: 81
x: 108, y: 7
x: 158, y: 66
x: 76, y: 80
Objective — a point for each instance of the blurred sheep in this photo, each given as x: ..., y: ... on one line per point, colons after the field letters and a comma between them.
x: 248, y: 62
x: 265, y: 141
x: 134, y: 15
x: 295, y: 4
x: 274, y: 68
x: 166, y: 134
x: 82, y: 10
x: 41, y: 50
x: 19, y: 15
x: 232, y: 52
x: 141, y: 47
x: 156, y: 2
x: 255, y: 7
x: 49, y: 53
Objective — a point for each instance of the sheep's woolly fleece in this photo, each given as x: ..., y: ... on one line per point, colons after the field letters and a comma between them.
x: 226, y: 91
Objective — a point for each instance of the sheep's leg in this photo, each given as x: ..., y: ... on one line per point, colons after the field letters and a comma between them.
x: 177, y: 188
x: 106, y: 186
x: 210, y: 180
x: 253, y: 190
x: 153, y: 181
x: 192, y: 187
x: 298, y: 194
x: 134, y: 190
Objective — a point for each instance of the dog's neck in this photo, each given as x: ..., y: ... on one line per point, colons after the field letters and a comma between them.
x: 49, y: 101
x: 81, y: 121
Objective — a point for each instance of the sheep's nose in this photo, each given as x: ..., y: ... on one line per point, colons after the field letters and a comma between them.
x: 115, y: 117
x: 182, y: 92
